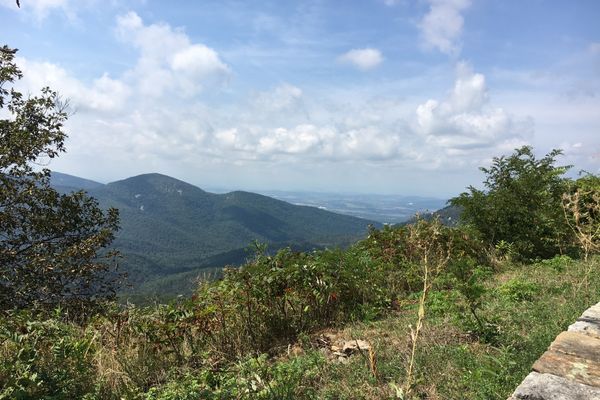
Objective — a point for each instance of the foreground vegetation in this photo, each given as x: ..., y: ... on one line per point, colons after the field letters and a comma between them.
x: 258, y: 334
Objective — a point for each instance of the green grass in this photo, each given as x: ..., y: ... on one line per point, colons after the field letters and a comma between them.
x: 450, y: 363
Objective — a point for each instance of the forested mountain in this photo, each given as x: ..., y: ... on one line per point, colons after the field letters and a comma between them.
x: 66, y: 182
x: 171, y: 231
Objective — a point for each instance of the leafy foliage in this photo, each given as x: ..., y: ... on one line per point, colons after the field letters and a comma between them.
x: 263, y: 306
x: 49, y: 242
x: 50, y: 358
x: 521, y: 204
x: 181, y: 351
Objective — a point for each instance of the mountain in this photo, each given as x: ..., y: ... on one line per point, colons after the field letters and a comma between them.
x: 449, y: 216
x: 66, y: 182
x: 172, y: 231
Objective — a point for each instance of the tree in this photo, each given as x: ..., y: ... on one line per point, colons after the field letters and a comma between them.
x: 52, y: 246
x: 522, y: 204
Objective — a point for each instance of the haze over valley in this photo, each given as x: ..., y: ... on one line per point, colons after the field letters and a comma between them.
x: 172, y: 232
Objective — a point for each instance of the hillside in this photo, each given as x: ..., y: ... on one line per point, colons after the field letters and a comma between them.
x: 66, y: 182
x: 170, y: 228
x: 449, y: 216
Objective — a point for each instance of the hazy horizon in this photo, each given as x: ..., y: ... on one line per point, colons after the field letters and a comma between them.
x: 266, y: 191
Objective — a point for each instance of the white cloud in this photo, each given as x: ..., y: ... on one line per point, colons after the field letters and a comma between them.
x: 310, y: 142
x: 151, y: 111
x: 442, y: 26
x: 104, y: 94
x: 363, y: 59
x: 283, y: 97
x: 466, y: 119
x: 169, y: 61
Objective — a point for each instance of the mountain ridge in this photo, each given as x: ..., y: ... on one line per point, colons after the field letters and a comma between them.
x: 169, y: 226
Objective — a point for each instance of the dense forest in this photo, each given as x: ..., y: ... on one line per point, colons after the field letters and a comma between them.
x: 422, y: 310
x: 171, y: 231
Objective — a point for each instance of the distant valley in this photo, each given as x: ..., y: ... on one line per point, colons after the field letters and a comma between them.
x: 388, y: 209
x: 172, y: 231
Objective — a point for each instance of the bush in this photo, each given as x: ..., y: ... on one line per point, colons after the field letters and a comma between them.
x: 521, y: 210
x: 581, y: 206
x: 44, y: 359
x: 252, y: 378
x: 519, y: 290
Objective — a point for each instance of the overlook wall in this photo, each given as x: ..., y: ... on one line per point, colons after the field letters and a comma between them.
x: 570, y: 368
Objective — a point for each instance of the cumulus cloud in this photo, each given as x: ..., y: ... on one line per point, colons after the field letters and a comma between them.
x: 465, y: 119
x: 168, y: 60
x: 103, y: 94
x: 363, y: 59
x: 442, y: 26
x: 154, y: 113
x: 310, y: 142
x: 284, y: 96
x: 151, y: 111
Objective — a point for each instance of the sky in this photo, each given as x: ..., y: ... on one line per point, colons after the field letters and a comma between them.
x: 370, y: 96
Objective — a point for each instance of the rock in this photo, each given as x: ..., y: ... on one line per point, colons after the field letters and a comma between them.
x: 586, y: 327
x: 355, y: 345
x: 538, y: 386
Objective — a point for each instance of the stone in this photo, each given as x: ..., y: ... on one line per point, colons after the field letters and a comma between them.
x: 538, y: 386
x: 342, y: 360
x: 355, y: 345
x: 578, y: 344
x: 569, y: 366
x: 586, y: 327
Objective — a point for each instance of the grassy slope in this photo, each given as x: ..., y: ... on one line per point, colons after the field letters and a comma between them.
x: 529, y: 304
x: 150, y: 354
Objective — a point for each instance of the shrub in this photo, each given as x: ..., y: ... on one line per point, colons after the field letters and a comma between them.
x: 44, y: 358
x: 521, y: 204
x: 519, y: 290
x: 251, y: 378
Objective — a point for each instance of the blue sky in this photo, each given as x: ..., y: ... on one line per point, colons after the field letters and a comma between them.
x: 371, y: 96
